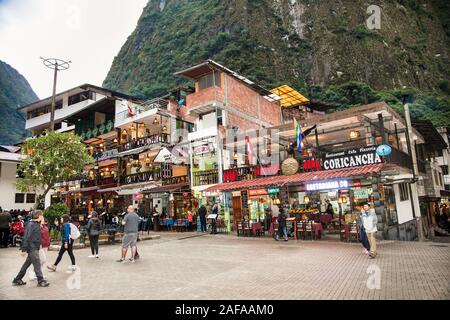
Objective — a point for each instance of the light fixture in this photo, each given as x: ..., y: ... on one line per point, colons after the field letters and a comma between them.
x: 171, y: 197
x: 155, y: 121
x: 276, y: 201
x: 115, y: 140
x: 249, y: 202
x: 124, y: 131
x: 91, y: 202
x: 102, y: 174
x: 306, y: 199
x: 235, y: 156
x: 107, y: 169
x: 147, y: 160
x: 109, y: 201
x: 129, y: 164
x: 101, y: 145
x: 355, y: 134
x: 164, y: 129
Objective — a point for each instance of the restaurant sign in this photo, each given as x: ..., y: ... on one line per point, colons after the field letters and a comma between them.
x: 100, y: 156
x: 327, y: 185
x: 351, y: 158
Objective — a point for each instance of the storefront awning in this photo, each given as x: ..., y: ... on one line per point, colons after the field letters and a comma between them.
x: 79, y: 190
x: 296, y: 178
x: 169, y: 188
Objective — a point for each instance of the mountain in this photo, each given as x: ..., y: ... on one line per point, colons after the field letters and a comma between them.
x: 14, y: 91
x: 322, y: 48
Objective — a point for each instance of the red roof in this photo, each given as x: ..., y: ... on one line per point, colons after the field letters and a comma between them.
x: 296, y: 178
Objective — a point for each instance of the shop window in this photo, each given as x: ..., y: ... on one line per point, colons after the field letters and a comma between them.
x: 209, y: 80
x: 31, y: 198
x: 20, y: 198
x: 404, y: 194
x: 219, y: 117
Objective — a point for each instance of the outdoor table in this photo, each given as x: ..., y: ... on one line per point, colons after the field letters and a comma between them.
x: 316, y: 227
x: 256, y: 226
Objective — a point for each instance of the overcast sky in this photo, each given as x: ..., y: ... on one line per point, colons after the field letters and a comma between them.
x: 88, y: 32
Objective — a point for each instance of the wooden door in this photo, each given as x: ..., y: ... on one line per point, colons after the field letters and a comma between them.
x: 237, y: 210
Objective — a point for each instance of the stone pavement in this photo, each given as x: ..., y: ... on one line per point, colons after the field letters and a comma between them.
x: 193, y: 266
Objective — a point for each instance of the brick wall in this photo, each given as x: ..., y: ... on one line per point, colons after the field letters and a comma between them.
x: 201, y: 97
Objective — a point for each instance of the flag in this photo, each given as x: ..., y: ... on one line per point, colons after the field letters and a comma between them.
x: 298, y: 135
x: 249, y: 150
x: 130, y: 110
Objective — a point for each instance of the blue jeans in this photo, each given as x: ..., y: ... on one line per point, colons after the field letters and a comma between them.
x: 282, y: 231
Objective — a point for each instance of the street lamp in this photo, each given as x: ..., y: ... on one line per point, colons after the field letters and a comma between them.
x: 56, y: 65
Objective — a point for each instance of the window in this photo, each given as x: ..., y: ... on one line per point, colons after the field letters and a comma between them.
x: 219, y: 117
x: 31, y: 198
x: 404, y: 194
x: 441, y: 179
x: 20, y: 197
x: 209, y: 80
x: 82, y: 97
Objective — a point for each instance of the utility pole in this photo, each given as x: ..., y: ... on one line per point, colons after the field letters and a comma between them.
x: 56, y: 65
x: 413, y: 184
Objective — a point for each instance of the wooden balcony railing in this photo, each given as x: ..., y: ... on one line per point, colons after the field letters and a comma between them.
x: 146, y: 141
x: 203, y: 178
x: 145, y: 176
x: 175, y: 180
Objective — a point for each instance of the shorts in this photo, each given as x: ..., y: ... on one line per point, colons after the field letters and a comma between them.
x: 129, y: 240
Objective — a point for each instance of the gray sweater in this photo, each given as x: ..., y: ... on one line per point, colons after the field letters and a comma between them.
x: 93, y: 227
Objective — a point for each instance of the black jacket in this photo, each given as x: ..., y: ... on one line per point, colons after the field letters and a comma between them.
x: 281, y: 219
x: 32, y: 237
x: 202, y: 212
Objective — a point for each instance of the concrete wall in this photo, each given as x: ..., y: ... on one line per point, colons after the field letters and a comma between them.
x: 8, y: 188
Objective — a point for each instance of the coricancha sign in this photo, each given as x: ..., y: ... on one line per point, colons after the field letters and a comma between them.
x: 351, y: 158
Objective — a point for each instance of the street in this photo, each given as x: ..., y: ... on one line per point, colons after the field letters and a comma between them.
x: 194, y: 266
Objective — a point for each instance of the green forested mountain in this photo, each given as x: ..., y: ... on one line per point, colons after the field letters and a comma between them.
x: 14, y: 91
x: 322, y: 48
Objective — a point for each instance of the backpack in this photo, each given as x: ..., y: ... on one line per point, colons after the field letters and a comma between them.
x: 74, y: 232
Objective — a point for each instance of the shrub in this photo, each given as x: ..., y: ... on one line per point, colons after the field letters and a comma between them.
x: 55, y: 211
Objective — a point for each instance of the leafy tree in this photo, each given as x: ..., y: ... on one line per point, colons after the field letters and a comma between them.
x: 51, y: 158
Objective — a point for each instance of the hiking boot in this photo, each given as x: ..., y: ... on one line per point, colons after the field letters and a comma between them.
x: 19, y: 282
x: 43, y: 283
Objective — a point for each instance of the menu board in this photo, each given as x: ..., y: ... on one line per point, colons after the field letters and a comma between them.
x: 244, y: 200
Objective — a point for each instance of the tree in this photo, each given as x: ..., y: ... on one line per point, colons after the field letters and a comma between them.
x: 51, y: 158
x: 55, y: 211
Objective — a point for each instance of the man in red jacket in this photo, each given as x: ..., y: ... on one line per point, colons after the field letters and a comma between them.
x: 45, y: 244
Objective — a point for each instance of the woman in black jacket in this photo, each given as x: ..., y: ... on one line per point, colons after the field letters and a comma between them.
x: 93, y: 230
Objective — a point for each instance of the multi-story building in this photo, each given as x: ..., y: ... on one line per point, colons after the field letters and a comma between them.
x: 444, y: 161
x: 11, y: 198
x: 124, y: 135
x: 223, y: 100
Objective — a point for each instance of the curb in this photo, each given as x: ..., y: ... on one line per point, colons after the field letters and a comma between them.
x: 102, y: 242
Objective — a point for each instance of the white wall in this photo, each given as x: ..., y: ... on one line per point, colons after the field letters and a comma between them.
x: 404, y: 208
x: 8, y: 188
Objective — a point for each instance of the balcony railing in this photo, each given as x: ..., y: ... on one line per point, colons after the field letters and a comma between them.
x: 88, y: 183
x: 107, y: 181
x: 399, y: 158
x: 175, y: 180
x: 141, y: 108
x: 145, y: 176
x: 203, y: 178
x: 250, y: 172
x: 146, y: 141
x: 98, y: 130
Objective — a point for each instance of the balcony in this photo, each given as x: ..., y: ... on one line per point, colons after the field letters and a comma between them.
x: 139, y: 111
x: 175, y: 180
x: 98, y: 130
x: 144, y: 142
x: 88, y: 183
x: 203, y: 178
x: 399, y: 158
x: 140, y: 177
x: 250, y: 172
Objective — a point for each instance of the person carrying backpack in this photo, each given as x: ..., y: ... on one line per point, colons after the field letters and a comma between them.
x: 93, y: 230
x: 69, y: 234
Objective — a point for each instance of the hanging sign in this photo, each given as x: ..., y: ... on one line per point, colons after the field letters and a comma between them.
x: 205, y: 148
x: 384, y: 150
x: 351, y: 158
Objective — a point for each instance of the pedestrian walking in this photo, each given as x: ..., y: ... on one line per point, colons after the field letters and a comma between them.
x: 215, y: 214
x: 363, y: 236
x: 45, y: 244
x: 131, y: 226
x: 282, y: 227
x: 369, y: 221
x: 31, y: 244
x: 93, y: 230
x: 202, y: 213
x: 5, y: 225
x: 68, y: 237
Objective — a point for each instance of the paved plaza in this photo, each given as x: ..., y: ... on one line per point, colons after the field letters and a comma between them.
x: 193, y: 266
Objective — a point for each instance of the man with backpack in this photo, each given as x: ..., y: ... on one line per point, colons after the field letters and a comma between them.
x: 31, y: 244
x: 69, y: 234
